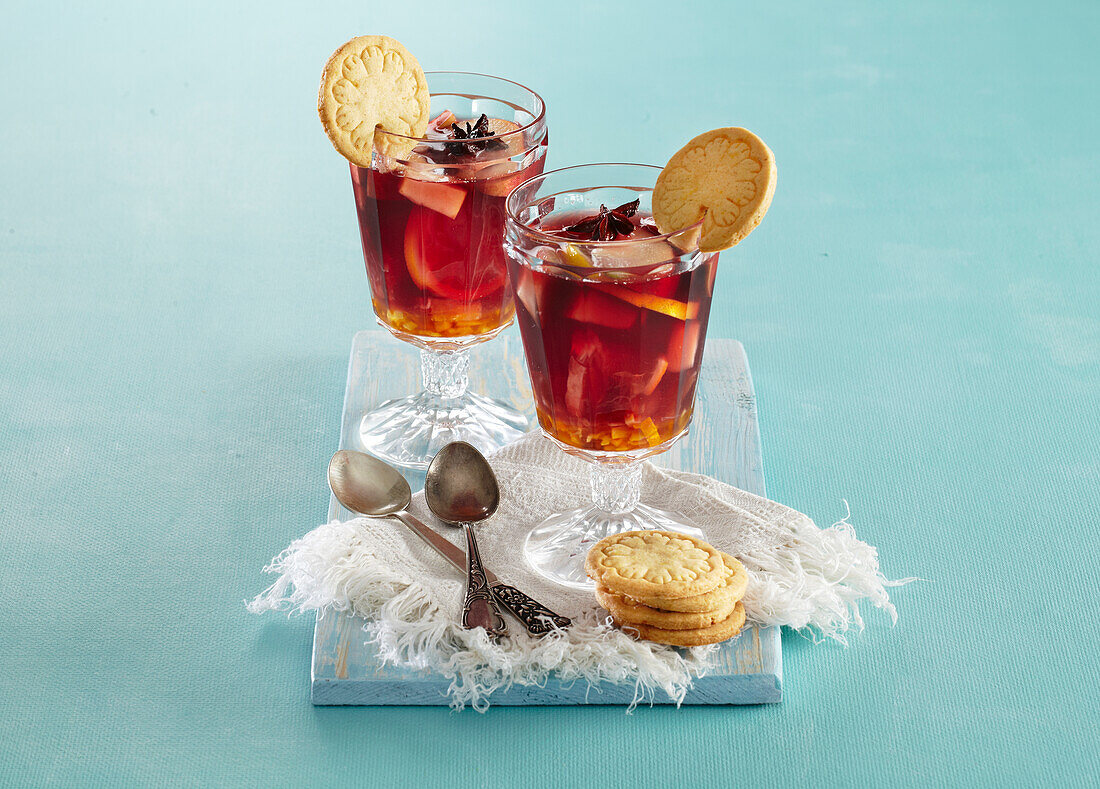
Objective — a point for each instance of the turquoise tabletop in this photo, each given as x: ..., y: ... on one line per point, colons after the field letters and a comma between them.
x: 180, y: 280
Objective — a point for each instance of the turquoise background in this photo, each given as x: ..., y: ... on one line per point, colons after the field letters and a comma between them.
x: 180, y: 279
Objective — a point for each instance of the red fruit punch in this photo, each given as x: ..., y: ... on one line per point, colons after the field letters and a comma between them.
x: 614, y: 360
x: 433, y: 247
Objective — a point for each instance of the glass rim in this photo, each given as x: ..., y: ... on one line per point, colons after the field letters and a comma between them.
x: 506, y: 135
x: 511, y: 211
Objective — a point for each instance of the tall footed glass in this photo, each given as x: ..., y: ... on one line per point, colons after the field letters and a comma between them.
x: 613, y: 316
x: 432, y: 226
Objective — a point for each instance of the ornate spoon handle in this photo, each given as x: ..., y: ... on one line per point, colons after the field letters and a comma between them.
x: 531, y: 612
x: 479, y: 608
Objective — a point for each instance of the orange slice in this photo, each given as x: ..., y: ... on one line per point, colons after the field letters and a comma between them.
x: 445, y: 198
x: 670, y: 307
x: 726, y: 177
x: 373, y: 82
x: 574, y: 257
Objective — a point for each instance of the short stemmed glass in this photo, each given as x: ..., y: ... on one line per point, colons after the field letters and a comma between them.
x: 432, y: 226
x: 613, y: 331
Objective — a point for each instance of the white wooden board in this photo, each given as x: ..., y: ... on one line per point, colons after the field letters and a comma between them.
x: 724, y: 442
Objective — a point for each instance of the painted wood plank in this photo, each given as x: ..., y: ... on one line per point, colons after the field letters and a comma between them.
x: 724, y: 442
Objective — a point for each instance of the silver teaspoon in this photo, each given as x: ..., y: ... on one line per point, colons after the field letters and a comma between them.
x: 368, y: 486
x: 461, y: 490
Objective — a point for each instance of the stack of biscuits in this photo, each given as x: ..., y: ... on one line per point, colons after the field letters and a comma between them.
x: 668, y: 588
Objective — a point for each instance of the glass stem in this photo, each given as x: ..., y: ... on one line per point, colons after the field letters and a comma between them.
x: 616, y: 487
x: 445, y: 373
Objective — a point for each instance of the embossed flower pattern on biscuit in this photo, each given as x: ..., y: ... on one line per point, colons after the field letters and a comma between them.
x: 373, y: 83
x: 726, y: 178
x: 657, y: 558
x: 359, y: 112
x: 728, y: 160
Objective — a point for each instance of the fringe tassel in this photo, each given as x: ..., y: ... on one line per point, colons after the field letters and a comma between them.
x: 814, y: 583
x: 332, y: 567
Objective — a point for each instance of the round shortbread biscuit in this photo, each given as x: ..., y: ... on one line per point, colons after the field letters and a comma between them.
x: 625, y: 610
x: 731, y: 590
x: 726, y: 177
x: 373, y: 82
x: 720, y: 631
x: 655, y: 564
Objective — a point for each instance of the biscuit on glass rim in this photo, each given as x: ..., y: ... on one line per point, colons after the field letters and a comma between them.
x: 373, y: 82
x: 726, y: 177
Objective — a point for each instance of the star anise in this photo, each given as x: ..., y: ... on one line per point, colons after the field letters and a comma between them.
x: 473, y: 139
x: 608, y: 224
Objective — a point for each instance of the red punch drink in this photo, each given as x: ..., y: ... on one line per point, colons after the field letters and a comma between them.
x: 613, y: 332
x: 431, y: 213
x: 432, y: 227
x: 613, y: 315
x: 613, y: 291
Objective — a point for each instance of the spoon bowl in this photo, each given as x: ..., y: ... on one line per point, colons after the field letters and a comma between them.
x: 461, y: 489
x: 366, y: 485
x: 460, y: 486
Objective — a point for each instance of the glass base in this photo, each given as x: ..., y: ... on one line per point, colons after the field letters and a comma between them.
x: 557, y: 547
x: 410, y: 431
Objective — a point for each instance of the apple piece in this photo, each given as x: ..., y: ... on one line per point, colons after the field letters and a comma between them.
x: 497, y: 179
x: 438, y: 258
x: 682, y: 346
x: 586, y: 383
x: 649, y: 386
x: 591, y: 306
x: 442, y: 121
x: 633, y: 255
x: 443, y: 198
x: 525, y: 291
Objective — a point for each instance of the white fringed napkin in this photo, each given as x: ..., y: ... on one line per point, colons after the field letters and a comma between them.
x: 800, y: 576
